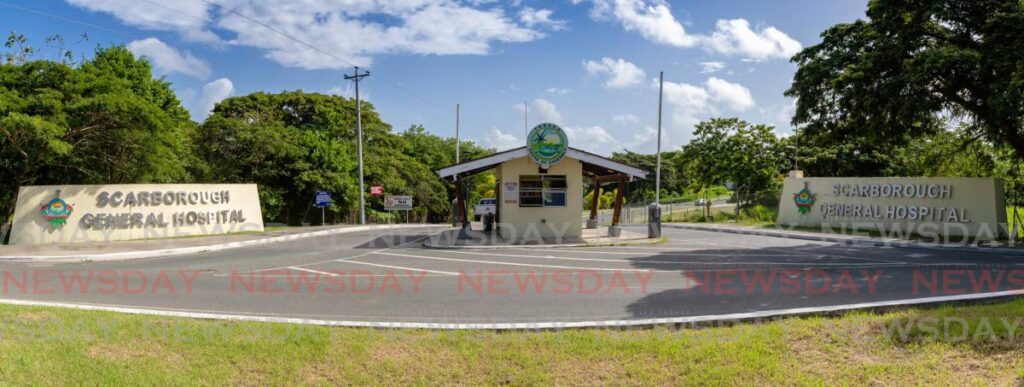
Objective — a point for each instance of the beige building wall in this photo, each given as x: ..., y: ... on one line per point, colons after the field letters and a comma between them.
x: 979, y: 201
x: 241, y: 212
x: 531, y: 222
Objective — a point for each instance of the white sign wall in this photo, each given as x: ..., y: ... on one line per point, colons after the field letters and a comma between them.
x: 97, y: 213
x: 951, y: 206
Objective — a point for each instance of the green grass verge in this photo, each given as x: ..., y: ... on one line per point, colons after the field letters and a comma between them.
x: 54, y: 346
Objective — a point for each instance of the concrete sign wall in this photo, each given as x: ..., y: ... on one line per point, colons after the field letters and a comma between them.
x: 95, y: 213
x: 949, y: 206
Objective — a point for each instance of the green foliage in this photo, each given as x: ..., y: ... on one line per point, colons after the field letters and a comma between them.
x: 293, y: 143
x: 874, y: 85
x: 104, y: 121
x: 673, y: 179
x: 730, y: 150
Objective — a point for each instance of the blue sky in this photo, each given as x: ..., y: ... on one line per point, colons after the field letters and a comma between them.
x: 588, y: 65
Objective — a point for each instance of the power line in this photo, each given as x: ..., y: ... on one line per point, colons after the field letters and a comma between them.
x: 436, y: 112
x: 70, y: 20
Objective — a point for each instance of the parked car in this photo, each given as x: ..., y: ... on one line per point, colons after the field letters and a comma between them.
x: 485, y: 206
x: 700, y: 202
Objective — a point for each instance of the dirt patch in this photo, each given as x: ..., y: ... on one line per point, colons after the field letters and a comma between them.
x: 115, y: 352
x: 36, y: 316
x: 132, y: 351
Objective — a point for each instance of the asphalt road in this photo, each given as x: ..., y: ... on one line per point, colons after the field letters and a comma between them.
x: 389, y: 277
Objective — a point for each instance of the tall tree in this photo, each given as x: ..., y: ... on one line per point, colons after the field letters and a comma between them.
x: 912, y: 64
x: 731, y: 150
x: 105, y: 121
x: 291, y: 144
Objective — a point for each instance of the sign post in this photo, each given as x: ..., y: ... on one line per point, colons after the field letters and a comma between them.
x: 399, y: 203
x: 323, y: 200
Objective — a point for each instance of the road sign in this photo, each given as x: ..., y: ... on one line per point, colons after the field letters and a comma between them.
x: 376, y: 190
x: 323, y: 199
x: 397, y: 202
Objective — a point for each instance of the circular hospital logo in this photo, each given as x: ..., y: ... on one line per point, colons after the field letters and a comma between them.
x: 547, y: 144
x: 56, y: 211
x: 804, y: 199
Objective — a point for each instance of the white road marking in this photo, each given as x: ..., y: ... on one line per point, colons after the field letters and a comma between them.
x: 521, y: 264
x: 802, y: 252
x: 803, y: 264
x: 398, y: 267
x: 352, y: 257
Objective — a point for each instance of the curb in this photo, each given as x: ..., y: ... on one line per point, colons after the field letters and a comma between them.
x: 628, y: 242
x: 682, y: 322
x: 105, y: 257
x: 848, y: 240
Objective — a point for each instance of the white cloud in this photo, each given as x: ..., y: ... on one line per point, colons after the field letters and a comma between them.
x: 500, y: 140
x: 645, y: 141
x: 653, y: 20
x: 354, y: 30
x: 541, y: 110
x: 560, y: 91
x: 733, y: 95
x: 620, y: 73
x: 167, y: 60
x: 626, y: 118
x: 186, y: 17
x: 691, y: 103
x: 540, y: 17
x: 213, y: 93
x: 711, y: 67
x: 734, y: 37
x: 591, y: 138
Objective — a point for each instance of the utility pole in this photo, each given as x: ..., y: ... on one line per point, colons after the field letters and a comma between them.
x: 457, y: 141
x: 359, y: 133
x: 526, y: 130
x: 657, y: 171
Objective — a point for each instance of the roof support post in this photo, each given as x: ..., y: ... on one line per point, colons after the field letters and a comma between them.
x: 593, y: 204
x: 618, y: 200
x: 460, y: 202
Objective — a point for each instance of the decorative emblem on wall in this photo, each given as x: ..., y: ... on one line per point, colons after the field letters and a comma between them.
x: 56, y: 211
x: 547, y: 144
x: 804, y: 199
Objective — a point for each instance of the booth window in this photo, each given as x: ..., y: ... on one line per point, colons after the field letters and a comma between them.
x: 542, y: 190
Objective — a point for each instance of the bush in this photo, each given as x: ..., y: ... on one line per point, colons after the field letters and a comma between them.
x: 759, y: 213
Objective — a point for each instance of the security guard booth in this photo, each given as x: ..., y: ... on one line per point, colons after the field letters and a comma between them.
x: 540, y: 186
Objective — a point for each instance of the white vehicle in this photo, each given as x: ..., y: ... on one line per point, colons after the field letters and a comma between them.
x: 485, y: 206
x: 700, y: 202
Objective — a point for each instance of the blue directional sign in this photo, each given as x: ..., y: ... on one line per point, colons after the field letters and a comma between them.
x: 323, y: 199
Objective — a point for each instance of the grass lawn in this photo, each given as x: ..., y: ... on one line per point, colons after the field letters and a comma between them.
x: 58, y: 346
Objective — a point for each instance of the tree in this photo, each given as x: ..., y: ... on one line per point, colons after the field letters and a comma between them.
x: 673, y: 180
x: 730, y: 150
x: 434, y: 152
x: 105, y: 121
x: 290, y: 144
x: 912, y: 65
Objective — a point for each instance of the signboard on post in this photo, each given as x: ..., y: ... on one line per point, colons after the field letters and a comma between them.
x: 398, y: 203
x: 323, y: 199
x: 376, y: 190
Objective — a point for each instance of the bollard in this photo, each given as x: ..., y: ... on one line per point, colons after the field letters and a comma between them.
x: 654, y: 221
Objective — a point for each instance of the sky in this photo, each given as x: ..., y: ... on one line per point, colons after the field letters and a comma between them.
x: 590, y: 66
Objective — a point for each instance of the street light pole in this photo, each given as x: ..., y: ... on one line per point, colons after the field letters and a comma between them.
x: 657, y: 171
x: 359, y: 134
x: 457, y: 141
